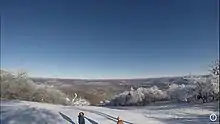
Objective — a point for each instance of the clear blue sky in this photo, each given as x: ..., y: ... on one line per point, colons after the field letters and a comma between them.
x: 109, y: 38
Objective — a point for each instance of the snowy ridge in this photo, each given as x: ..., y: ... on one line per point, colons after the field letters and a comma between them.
x: 23, y: 112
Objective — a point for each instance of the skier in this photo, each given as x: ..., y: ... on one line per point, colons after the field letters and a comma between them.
x: 81, y: 119
x: 120, y: 121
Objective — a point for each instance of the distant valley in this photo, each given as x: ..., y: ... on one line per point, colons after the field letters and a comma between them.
x: 98, y: 90
x: 114, y: 82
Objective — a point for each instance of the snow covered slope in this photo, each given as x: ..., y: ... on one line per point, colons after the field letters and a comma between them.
x: 23, y: 112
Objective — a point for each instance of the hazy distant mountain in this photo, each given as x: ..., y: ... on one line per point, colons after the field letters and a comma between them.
x: 123, y: 82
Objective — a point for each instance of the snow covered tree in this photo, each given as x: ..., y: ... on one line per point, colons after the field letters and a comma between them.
x: 140, y: 96
x: 207, y: 87
x: 19, y: 86
x: 214, y: 68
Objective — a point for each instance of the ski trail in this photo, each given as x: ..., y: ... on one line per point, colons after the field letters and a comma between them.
x: 24, y: 112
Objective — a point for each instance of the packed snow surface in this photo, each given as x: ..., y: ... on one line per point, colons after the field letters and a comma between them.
x: 23, y: 112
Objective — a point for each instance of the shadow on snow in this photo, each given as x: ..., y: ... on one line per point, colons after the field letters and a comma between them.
x: 66, y: 118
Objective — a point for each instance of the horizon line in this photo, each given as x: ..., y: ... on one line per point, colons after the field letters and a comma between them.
x: 102, y: 78
x: 138, y: 78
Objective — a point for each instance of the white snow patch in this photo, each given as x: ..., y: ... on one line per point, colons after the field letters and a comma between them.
x: 23, y: 112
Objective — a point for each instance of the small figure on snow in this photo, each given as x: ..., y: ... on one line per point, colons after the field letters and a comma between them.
x: 120, y: 121
x: 81, y: 119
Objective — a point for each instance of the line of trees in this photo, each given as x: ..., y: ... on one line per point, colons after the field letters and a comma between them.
x: 205, y: 89
x: 18, y: 86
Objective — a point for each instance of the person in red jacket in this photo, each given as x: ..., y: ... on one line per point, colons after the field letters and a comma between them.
x: 120, y: 121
